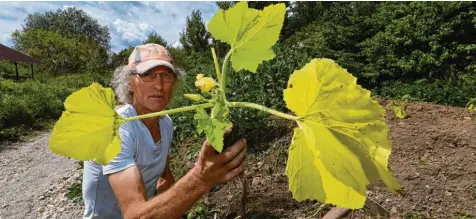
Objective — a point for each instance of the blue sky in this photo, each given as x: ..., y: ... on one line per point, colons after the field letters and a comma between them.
x: 128, y: 22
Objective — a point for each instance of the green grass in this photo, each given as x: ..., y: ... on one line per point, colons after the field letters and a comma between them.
x: 463, y: 215
x: 198, y: 211
x: 413, y: 215
x: 75, y: 193
x: 35, y: 104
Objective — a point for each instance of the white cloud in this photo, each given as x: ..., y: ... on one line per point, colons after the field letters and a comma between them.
x: 145, y: 27
x: 67, y: 6
x: 128, y: 22
x: 132, y: 32
x: 177, y: 44
x: 6, y: 39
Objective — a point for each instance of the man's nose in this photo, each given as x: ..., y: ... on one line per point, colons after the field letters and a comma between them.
x: 158, y: 83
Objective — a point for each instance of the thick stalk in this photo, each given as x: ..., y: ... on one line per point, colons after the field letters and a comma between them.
x: 223, y: 71
x: 263, y: 108
x: 217, y: 68
x: 172, y: 111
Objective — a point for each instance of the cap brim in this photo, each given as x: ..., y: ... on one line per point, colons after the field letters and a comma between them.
x: 149, y: 64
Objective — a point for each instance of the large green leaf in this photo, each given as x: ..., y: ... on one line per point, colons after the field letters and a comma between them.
x: 214, y: 128
x: 471, y: 105
x: 399, y: 109
x: 250, y: 33
x: 88, y: 128
x: 342, y: 142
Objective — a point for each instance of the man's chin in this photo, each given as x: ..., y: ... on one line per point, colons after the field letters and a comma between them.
x: 156, y: 107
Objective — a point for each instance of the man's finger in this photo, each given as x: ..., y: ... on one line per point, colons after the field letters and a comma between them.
x: 234, y: 172
x: 232, y: 151
x: 227, y: 131
x: 207, y: 149
x: 237, y: 160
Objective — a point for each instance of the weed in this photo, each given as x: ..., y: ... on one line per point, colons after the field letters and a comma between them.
x: 413, y: 215
x: 199, y: 211
x: 75, y: 193
x: 463, y: 215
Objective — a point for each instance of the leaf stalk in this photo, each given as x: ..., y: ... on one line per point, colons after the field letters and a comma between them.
x: 217, y: 68
x: 263, y: 108
x: 223, y: 71
x: 171, y: 111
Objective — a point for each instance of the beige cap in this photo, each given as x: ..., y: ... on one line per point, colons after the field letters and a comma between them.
x: 148, y: 56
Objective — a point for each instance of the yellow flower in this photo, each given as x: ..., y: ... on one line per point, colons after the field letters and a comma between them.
x: 204, y: 83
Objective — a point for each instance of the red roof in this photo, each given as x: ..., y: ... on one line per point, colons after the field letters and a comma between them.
x: 12, y: 55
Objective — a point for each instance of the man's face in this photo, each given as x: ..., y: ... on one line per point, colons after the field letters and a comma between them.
x: 152, y: 90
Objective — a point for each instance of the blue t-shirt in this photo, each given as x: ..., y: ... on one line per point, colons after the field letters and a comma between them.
x: 137, y: 149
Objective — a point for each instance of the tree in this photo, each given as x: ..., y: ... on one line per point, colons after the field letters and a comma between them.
x: 65, y: 41
x: 195, y: 37
x: 155, y: 38
x: 121, y: 58
x: 225, y: 5
x: 71, y: 22
x: 59, y: 54
x: 422, y: 40
x: 302, y: 14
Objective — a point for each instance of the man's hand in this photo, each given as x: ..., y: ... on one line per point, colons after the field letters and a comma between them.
x: 212, y: 168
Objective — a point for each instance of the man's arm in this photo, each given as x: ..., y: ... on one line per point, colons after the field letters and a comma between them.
x: 211, y: 168
x: 166, y: 180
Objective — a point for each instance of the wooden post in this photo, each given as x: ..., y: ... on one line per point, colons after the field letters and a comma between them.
x: 16, y: 69
x: 31, y: 71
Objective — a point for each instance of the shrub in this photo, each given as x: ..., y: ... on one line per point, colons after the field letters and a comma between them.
x: 35, y: 104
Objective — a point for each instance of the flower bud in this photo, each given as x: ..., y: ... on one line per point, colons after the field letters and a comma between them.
x: 194, y: 97
x: 205, y: 83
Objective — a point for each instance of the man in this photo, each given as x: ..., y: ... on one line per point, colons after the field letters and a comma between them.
x: 138, y: 183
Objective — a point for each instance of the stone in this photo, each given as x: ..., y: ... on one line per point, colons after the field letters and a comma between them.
x: 256, y: 181
x: 260, y: 164
x: 393, y: 210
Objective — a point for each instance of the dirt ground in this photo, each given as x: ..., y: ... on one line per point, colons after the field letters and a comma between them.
x: 29, y: 178
x: 434, y: 151
x: 433, y: 156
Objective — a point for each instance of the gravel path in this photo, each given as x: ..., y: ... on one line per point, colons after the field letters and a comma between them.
x: 34, y: 182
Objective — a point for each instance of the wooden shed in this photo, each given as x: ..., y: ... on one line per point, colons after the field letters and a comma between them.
x: 8, y: 54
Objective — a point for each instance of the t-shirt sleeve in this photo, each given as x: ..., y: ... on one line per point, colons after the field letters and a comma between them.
x: 125, y: 158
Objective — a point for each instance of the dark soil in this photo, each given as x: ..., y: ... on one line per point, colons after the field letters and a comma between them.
x: 433, y: 157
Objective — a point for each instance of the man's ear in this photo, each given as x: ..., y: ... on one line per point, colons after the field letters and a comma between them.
x: 129, y: 85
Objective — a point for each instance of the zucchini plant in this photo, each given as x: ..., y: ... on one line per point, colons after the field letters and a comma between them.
x: 340, y: 143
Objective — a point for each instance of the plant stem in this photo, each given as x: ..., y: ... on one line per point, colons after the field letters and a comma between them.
x: 263, y: 108
x: 223, y: 71
x: 217, y: 68
x: 171, y: 111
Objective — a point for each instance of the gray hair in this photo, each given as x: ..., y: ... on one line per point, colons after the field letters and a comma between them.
x: 120, y: 82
